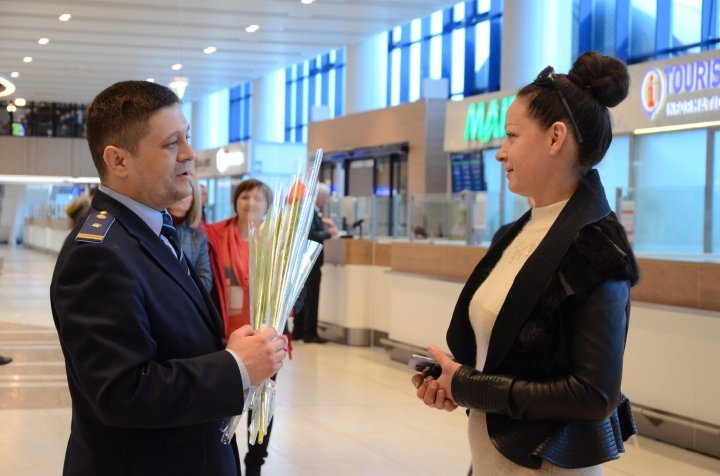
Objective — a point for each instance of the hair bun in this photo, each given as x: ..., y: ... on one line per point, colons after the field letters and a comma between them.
x: 604, y: 77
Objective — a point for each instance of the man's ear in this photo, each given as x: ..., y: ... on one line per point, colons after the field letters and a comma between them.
x: 558, y: 136
x: 116, y: 161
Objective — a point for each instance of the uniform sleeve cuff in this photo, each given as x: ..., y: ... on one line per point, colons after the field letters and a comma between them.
x: 241, y: 367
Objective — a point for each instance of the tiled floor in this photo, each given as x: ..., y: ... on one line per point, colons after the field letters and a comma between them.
x: 341, y: 410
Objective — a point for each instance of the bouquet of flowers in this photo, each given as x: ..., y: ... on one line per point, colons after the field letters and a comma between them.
x: 281, y: 257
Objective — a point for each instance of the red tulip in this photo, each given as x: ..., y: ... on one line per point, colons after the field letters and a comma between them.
x: 297, y: 192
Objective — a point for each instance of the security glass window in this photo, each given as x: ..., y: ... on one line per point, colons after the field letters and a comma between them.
x: 715, y: 196
x: 313, y: 87
x: 669, y: 191
x: 614, y: 170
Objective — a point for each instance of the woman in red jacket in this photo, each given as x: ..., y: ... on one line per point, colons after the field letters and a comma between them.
x: 229, y: 257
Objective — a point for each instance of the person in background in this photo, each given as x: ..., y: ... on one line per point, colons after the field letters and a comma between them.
x: 77, y: 211
x: 230, y: 260
x: 150, y: 377
x: 538, y: 332
x: 420, y: 233
x: 186, y: 218
x: 306, y: 320
x: 229, y: 252
x: 204, y: 200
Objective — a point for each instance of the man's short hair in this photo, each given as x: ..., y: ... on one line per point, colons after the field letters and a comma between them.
x: 119, y: 116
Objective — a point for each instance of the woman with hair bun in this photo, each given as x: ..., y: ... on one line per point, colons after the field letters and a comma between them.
x: 538, y: 332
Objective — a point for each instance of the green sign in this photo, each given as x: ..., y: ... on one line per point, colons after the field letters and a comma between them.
x: 486, y: 120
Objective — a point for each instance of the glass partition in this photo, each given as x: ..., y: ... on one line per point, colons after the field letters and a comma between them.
x: 669, y: 191
x: 462, y: 218
x: 715, y: 210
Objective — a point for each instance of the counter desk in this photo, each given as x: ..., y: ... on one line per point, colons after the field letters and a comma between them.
x: 402, y: 295
x: 46, y: 234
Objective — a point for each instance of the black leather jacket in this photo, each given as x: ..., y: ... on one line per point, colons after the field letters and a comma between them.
x: 551, y: 381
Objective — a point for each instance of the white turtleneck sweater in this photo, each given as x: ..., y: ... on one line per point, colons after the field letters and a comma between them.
x: 484, y: 308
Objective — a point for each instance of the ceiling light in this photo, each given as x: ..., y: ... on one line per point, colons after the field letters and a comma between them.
x: 65, y: 17
x: 178, y: 85
x: 20, y: 102
x: 176, y: 67
x: 27, y: 59
x: 679, y: 127
x: 209, y: 50
x: 7, y: 87
x: 11, y: 108
x: 252, y: 28
x: 15, y: 74
x: 43, y: 41
x: 150, y: 80
x: 306, y: 2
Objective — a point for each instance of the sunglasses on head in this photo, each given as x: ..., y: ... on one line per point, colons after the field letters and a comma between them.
x: 548, y: 74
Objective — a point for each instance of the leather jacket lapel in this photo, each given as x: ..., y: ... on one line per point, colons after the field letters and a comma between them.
x: 587, y: 205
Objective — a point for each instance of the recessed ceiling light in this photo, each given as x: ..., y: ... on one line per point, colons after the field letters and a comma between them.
x: 150, y: 80
x: 209, y: 50
x: 252, y: 28
x: 65, y: 17
x: 176, y: 67
x: 20, y: 102
x: 27, y: 59
x: 11, y: 108
x: 43, y: 41
x: 15, y: 74
x: 307, y: 2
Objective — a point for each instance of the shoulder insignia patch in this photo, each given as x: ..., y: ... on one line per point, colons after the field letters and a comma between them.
x: 96, y: 226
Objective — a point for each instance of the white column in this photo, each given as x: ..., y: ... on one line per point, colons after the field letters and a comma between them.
x: 535, y: 34
x: 211, y: 120
x: 366, y: 74
x: 268, y: 107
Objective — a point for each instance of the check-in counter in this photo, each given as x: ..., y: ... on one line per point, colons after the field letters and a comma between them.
x: 355, y: 291
x: 403, y: 294
x: 46, y: 234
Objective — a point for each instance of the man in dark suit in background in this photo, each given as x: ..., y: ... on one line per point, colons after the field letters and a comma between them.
x: 306, y: 320
x: 150, y: 377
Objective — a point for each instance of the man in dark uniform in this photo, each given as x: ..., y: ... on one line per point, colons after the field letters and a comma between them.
x: 150, y: 377
x: 306, y: 320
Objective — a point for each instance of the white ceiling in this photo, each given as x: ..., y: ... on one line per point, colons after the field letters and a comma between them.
x: 108, y: 41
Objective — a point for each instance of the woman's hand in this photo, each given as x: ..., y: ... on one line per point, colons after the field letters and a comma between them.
x: 437, y: 393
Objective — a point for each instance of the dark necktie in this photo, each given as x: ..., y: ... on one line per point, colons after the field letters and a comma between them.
x: 169, y: 232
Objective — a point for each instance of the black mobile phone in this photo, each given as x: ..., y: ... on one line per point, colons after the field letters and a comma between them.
x: 427, y: 366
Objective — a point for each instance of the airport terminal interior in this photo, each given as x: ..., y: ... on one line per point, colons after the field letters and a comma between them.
x: 405, y: 101
x: 343, y: 410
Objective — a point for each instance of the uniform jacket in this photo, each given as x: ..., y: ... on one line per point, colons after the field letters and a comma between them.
x: 551, y: 381
x: 318, y: 232
x: 149, y: 379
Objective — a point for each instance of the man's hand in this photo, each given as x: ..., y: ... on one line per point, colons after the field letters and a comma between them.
x: 330, y: 225
x: 262, y: 354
